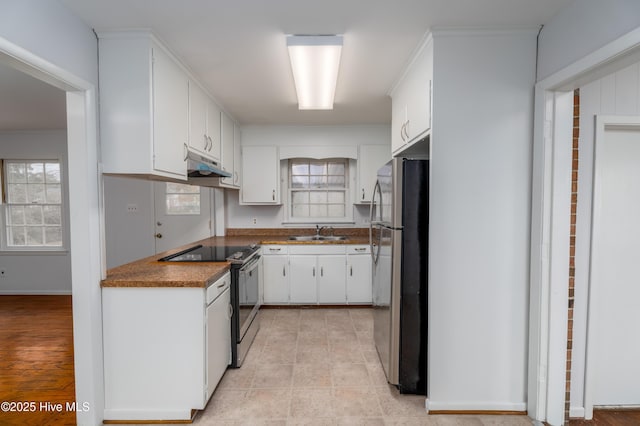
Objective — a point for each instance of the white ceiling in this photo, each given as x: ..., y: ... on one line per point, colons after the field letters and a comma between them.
x: 237, y: 47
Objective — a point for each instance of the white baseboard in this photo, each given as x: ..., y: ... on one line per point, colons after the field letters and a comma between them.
x: 35, y: 292
x: 474, y: 406
x: 576, y: 412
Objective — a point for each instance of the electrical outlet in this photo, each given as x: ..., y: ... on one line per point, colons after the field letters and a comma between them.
x: 132, y: 208
x: 255, y: 221
x: 3, y: 273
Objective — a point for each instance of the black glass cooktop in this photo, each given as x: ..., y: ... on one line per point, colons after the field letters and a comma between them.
x: 202, y: 253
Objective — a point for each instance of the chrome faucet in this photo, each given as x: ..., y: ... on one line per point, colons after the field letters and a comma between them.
x: 319, y: 229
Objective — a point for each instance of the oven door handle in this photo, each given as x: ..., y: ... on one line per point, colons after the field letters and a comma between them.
x: 251, y: 265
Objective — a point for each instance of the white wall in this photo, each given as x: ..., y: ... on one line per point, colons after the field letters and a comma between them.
x: 480, y: 219
x: 581, y: 28
x: 272, y: 216
x: 66, y: 48
x: 616, y: 94
x: 37, y: 273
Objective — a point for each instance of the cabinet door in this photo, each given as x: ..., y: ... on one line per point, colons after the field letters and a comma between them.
x: 237, y: 156
x: 218, y: 340
x: 170, y: 114
x: 226, y: 135
x: 419, y: 105
x: 213, y: 130
x: 302, y: 279
x: 398, y: 120
x: 359, y: 285
x: 331, y: 281
x: 198, y: 118
x: 260, y: 175
x: 276, y: 279
x: 370, y: 159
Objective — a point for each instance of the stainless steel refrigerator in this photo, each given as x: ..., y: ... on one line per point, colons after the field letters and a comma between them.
x: 398, y: 236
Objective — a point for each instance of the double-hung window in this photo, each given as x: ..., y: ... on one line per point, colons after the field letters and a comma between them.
x: 318, y: 190
x: 32, y: 196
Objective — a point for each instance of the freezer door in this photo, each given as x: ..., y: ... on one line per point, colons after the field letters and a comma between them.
x: 386, y: 301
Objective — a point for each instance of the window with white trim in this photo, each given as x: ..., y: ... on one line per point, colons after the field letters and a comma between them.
x: 32, y: 195
x: 319, y: 190
x: 182, y: 199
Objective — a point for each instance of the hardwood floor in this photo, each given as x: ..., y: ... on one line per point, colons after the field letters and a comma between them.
x: 36, y: 358
x: 610, y: 418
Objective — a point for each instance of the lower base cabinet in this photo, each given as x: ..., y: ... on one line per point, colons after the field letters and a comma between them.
x: 162, y: 357
x: 317, y: 274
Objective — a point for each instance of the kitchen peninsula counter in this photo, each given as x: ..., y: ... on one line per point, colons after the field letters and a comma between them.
x: 149, y: 272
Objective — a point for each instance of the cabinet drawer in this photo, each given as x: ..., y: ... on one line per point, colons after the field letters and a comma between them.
x: 216, y: 288
x: 275, y: 249
x: 359, y: 249
x: 317, y: 249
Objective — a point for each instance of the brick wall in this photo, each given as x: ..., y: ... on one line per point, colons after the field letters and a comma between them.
x: 572, y: 245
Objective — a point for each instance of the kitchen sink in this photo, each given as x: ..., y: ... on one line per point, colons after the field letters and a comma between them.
x: 317, y: 238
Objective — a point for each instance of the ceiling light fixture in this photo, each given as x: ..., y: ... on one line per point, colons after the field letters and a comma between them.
x: 315, y: 60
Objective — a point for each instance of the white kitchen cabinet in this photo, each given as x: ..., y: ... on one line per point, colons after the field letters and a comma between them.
x: 237, y: 156
x: 213, y: 130
x: 411, y: 100
x: 141, y: 81
x: 275, y: 267
x: 260, y: 175
x: 164, y: 350
x: 204, y: 123
x: 359, y: 284
x: 370, y: 159
x: 227, y: 154
x: 331, y: 281
x: 303, y: 279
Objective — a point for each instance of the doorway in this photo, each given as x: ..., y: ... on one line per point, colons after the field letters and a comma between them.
x: 612, y: 346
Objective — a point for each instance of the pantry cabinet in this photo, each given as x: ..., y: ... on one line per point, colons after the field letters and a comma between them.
x: 260, y: 175
x: 144, y: 107
x: 411, y: 100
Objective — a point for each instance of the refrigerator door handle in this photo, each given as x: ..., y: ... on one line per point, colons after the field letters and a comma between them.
x: 372, y: 206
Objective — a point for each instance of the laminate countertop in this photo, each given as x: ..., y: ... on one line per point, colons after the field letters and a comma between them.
x: 149, y: 272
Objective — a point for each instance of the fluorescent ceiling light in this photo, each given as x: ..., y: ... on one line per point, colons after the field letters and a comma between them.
x: 315, y: 61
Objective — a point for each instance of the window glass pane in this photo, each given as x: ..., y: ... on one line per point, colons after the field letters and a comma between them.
x: 52, y: 172
x: 299, y: 169
x: 299, y: 181
x: 33, y: 215
x: 16, y: 215
x: 35, y: 172
x: 301, y: 210
x: 35, y: 193
x: 318, y: 197
x: 335, y: 181
x: 16, y: 173
x: 318, y: 181
x: 183, y: 204
x: 336, y: 169
x: 34, y: 236
x: 336, y: 210
x: 318, y: 169
x: 52, y: 215
x: 300, y: 197
x: 335, y: 197
x: 16, y: 236
x: 53, y: 236
x: 54, y: 194
x: 318, y: 210
x: 17, y: 193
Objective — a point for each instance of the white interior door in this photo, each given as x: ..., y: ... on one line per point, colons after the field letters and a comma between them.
x: 613, y: 349
x: 182, y: 214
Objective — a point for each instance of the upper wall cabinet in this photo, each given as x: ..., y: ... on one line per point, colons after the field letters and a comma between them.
x: 204, y: 123
x: 260, y: 175
x: 144, y: 107
x: 411, y: 100
x: 370, y: 159
x: 230, y: 163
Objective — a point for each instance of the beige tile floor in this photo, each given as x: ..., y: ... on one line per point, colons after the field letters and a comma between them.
x: 320, y: 367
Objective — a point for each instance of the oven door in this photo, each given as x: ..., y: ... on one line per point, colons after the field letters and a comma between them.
x: 248, y: 294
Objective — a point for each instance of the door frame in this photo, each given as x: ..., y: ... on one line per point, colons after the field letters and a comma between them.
x: 550, y: 222
x: 86, y: 225
x: 603, y: 122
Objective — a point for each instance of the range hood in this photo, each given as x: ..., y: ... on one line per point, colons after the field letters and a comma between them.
x: 199, y: 166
